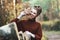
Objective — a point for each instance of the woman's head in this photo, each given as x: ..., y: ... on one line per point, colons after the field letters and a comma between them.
x: 33, y: 12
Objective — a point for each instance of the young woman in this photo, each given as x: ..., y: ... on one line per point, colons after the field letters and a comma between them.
x: 30, y: 26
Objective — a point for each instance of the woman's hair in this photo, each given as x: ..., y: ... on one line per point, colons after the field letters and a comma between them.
x: 39, y: 9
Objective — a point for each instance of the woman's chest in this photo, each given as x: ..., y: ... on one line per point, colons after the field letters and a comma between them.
x: 32, y: 27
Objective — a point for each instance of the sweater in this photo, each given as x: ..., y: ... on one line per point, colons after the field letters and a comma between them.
x: 31, y: 26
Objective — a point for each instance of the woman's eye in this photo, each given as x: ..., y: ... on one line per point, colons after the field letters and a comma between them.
x: 34, y: 13
x: 31, y: 11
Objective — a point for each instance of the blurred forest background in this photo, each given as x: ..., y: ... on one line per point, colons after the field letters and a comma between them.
x: 49, y: 18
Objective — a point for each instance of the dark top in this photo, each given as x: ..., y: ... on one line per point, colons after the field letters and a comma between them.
x: 31, y: 26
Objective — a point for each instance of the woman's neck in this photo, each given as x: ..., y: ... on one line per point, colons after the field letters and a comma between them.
x: 32, y: 20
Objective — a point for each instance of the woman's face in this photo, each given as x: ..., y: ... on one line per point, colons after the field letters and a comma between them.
x: 32, y: 13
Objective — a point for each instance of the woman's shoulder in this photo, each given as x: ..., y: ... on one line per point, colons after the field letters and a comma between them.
x: 38, y: 23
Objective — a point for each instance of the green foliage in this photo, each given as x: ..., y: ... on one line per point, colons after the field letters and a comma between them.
x: 44, y: 37
x: 51, y: 27
x: 43, y: 3
x: 46, y: 27
x: 24, y: 0
x: 1, y: 21
x: 45, y: 18
x: 3, y: 17
x: 56, y: 26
